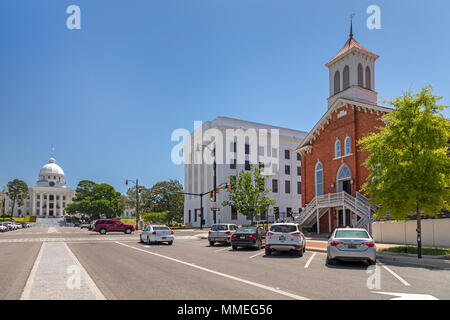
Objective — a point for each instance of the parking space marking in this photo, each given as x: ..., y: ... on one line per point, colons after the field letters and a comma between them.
x: 310, y: 259
x: 255, y: 255
x: 227, y: 248
x: 255, y: 284
x: 395, y: 275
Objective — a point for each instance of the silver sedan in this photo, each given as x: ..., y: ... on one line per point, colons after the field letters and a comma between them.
x: 347, y: 244
x: 157, y: 234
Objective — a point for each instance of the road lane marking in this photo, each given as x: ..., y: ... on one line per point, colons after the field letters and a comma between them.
x: 310, y: 259
x: 52, y: 230
x: 408, y: 296
x: 27, y: 289
x: 256, y: 254
x: 222, y: 249
x: 255, y: 284
x: 396, y: 275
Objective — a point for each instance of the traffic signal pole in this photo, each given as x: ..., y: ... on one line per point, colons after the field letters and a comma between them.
x: 137, y: 204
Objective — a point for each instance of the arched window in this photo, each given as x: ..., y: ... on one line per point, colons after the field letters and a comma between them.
x: 360, y: 75
x: 344, y: 173
x: 368, y: 79
x: 347, y: 147
x: 346, y: 80
x: 337, y: 149
x: 337, y: 82
x: 319, y: 179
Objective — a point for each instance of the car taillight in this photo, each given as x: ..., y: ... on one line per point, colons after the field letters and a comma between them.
x: 296, y: 234
x: 269, y: 234
x: 154, y: 232
x: 252, y: 237
x: 228, y: 232
x: 171, y: 232
x: 209, y: 232
x: 335, y: 243
x: 233, y: 237
x: 369, y: 244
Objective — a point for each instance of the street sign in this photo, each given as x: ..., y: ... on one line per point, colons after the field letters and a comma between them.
x: 215, y: 207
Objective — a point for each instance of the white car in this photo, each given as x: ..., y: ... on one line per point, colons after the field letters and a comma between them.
x: 18, y: 225
x: 285, y: 237
x: 3, y: 228
x: 157, y: 234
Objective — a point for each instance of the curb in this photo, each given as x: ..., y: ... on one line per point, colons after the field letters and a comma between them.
x: 424, y: 262
x: 316, y: 249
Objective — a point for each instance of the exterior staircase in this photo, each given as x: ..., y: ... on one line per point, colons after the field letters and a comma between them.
x: 321, y: 204
x: 50, y: 222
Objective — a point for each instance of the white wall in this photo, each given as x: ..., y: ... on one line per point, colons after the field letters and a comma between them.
x: 435, y: 232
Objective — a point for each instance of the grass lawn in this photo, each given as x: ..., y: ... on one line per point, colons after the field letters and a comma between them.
x: 425, y: 250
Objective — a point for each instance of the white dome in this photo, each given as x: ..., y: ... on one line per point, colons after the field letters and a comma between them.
x: 51, y: 169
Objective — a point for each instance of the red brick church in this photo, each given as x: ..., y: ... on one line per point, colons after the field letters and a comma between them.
x: 332, y: 163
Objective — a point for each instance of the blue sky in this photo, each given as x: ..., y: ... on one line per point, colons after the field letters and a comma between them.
x: 108, y: 96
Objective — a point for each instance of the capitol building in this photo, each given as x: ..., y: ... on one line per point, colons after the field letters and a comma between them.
x: 48, y: 198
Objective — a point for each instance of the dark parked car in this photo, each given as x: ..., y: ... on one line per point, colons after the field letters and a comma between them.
x: 248, y: 237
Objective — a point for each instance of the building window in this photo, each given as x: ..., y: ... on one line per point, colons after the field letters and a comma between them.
x: 274, y: 168
x: 234, y: 214
x: 368, y: 79
x: 337, y: 82
x: 233, y: 147
x: 287, y: 154
x: 299, y: 171
x: 287, y: 186
x: 299, y: 187
x: 360, y: 75
x: 319, y: 179
x: 247, y: 148
x: 247, y: 165
x: 189, y: 216
x: 289, y: 212
x: 299, y: 157
x: 347, y: 145
x: 233, y: 164
x: 287, y: 169
x: 346, y: 75
x: 274, y: 185
x: 274, y: 153
x: 195, y: 215
x: 337, y: 149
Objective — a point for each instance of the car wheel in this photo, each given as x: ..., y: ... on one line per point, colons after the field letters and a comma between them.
x: 140, y: 238
x: 304, y: 247
x: 268, y: 252
x: 102, y: 231
x: 300, y: 253
x: 128, y: 231
x: 234, y: 248
x: 211, y: 243
x: 372, y: 262
x: 330, y: 261
x: 170, y: 243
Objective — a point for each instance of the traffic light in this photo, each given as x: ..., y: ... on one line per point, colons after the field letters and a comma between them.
x: 218, y: 190
x: 158, y: 191
x: 228, y: 187
x: 140, y: 192
x: 211, y: 195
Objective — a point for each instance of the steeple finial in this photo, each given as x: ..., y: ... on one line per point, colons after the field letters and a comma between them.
x: 351, y: 26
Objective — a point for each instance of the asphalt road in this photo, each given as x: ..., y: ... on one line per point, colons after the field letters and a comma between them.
x: 117, y: 266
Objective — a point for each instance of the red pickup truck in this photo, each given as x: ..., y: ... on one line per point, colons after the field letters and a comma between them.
x: 112, y: 225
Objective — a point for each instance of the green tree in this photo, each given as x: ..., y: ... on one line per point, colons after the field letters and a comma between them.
x: 101, y: 201
x: 84, y: 188
x: 248, y: 194
x: 162, y: 197
x: 153, y: 217
x: 17, y: 191
x: 410, y: 168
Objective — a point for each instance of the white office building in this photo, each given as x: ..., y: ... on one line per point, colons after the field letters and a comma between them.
x: 284, y: 181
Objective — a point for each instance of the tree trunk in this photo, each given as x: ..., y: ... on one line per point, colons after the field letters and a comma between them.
x: 419, y: 233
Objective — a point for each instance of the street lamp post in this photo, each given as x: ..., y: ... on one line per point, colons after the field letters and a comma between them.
x: 137, y: 200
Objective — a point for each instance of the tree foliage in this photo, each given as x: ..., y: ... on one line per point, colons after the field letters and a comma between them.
x: 17, y: 191
x: 248, y: 194
x: 156, y: 217
x: 96, y: 201
x: 409, y: 163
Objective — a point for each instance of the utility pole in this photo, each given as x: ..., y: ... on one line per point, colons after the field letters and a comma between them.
x: 137, y: 200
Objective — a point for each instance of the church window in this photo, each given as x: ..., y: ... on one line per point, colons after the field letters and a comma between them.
x: 319, y: 179
x: 368, y: 79
x: 337, y: 149
x: 337, y: 82
x: 360, y: 75
x: 347, y: 145
x: 346, y: 75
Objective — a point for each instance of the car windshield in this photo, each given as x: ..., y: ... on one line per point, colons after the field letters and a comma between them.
x: 354, y: 234
x: 284, y: 228
x: 219, y: 227
x: 246, y: 230
x: 160, y: 228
